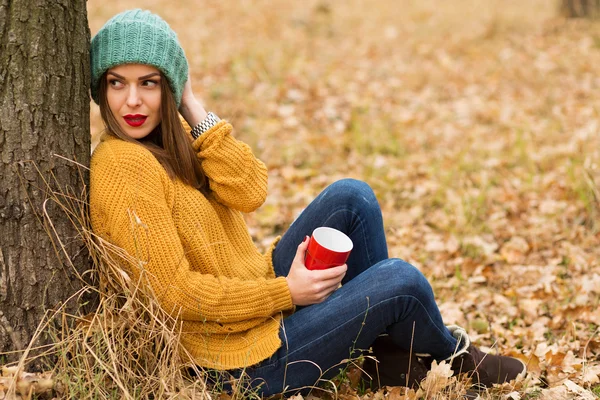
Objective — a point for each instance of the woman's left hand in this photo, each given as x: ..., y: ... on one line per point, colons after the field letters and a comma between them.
x: 312, y: 286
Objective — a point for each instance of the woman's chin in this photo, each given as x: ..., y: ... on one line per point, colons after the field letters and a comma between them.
x: 136, y: 133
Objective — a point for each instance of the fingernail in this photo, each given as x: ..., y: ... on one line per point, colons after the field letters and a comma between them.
x: 305, y: 239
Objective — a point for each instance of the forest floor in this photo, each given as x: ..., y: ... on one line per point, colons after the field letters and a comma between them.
x: 476, y: 123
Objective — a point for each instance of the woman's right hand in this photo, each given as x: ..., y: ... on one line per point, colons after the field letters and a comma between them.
x: 312, y: 286
x: 191, y: 108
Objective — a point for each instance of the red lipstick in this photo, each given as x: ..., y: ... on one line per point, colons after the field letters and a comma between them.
x: 135, y: 119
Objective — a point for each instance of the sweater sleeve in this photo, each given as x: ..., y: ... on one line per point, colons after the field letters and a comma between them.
x: 130, y: 204
x: 236, y: 177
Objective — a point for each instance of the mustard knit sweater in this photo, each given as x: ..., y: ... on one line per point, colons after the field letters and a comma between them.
x: 195, y: 250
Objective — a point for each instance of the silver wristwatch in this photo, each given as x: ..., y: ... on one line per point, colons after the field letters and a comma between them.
x: 207, y: 123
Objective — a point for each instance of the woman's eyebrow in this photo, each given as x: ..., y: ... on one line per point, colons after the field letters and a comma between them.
x: 115, y: 74
x: 141, y: 78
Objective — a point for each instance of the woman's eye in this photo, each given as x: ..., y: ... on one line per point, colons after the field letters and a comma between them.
x: 115, y: 83
x: 150, y: 83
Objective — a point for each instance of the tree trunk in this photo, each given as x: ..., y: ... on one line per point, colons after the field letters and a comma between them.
x: 44, y: 112
x: 580, y: 8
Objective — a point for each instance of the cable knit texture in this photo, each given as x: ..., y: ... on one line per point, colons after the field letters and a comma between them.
x: 196, y: 251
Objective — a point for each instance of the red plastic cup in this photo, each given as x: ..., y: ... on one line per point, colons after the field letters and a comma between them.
x: 327, y: 248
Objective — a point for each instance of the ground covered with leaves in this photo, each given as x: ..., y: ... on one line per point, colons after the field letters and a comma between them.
x: 476, y: 123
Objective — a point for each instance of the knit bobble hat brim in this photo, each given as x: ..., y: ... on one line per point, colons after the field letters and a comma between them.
x: 138, y: 37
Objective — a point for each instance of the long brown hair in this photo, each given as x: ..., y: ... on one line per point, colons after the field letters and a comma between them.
x: 168, y: 142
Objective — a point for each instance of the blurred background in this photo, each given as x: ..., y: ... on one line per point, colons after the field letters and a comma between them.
x: 476, y: 122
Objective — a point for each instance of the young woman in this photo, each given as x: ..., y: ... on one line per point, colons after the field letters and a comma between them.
x: 174, y: 200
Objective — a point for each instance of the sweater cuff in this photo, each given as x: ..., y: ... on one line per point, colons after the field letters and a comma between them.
x: 280, y: 294
x: 269, y: 256
x: 197, y: 143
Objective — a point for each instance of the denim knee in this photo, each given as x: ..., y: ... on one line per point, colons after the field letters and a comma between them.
x: 352, y: 191
x: 402, y: 278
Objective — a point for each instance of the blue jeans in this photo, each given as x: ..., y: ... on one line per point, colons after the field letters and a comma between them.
x: 378, y: 295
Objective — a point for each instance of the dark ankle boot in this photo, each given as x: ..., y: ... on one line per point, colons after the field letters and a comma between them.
x: 483, y: 369
x: 395, y: 366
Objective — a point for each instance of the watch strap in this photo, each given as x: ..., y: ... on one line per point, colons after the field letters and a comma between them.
x: 208, y: 122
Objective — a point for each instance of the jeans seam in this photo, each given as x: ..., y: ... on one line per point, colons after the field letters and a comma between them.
x: 287, y: 355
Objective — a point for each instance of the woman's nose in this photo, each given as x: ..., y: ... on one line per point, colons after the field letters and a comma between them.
x: 133, y: 97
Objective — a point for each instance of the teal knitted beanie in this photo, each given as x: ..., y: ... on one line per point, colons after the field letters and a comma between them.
x: 138, y: 37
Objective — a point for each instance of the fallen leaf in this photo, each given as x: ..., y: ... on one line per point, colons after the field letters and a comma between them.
x: 581, y: 392
x: 591, y: 375
x: 438, y: 377
x: 515, y: 250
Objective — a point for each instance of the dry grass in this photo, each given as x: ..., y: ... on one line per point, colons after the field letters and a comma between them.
x: 128, y: 348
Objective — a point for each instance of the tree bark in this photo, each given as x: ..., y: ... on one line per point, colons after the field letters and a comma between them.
x: 580, y: 8
x: 44, y: 112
